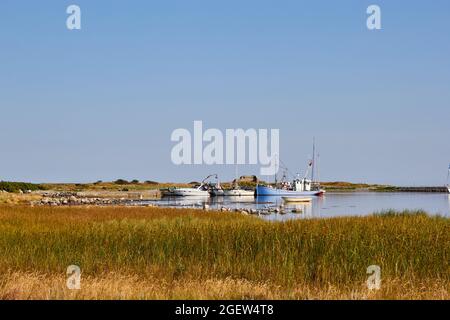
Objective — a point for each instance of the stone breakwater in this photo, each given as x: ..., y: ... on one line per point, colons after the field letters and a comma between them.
x: 258, y: 212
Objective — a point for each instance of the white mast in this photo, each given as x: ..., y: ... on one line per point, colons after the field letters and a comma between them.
x: 318, y: 166
x: 276, y: 166
x: 448, y: 174
x: 313, y: 160
x: 236, y: 176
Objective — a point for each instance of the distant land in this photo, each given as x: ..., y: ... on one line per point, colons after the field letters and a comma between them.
x: 246, y: 182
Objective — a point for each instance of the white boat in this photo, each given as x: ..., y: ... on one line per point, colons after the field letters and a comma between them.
x: 215, y: 190
x: 297, y: 199
x: 238, y: 193
x: 185, y: 192
x: 201, y: 191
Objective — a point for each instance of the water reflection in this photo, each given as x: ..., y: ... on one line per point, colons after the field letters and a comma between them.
x: 331, y: 205
x: 448, y: 205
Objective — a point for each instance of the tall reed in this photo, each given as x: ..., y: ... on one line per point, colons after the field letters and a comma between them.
x: 186, y: 244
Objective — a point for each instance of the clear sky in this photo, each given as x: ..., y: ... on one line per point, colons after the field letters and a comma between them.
x: 101, y: 103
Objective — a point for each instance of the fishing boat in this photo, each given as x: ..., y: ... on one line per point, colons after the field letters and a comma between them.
x: 298, y: 187
x: 297, y: 199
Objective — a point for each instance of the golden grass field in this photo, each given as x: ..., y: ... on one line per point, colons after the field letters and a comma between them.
x: 153, y: 253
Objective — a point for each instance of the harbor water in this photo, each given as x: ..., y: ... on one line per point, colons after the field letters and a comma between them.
x: 329, y: 205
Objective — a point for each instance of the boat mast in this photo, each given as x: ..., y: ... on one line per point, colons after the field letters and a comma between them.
x: 276, y: 166
x: 236, y: 176
x: 448, y: 174
x: 313, y: 160
x: 318, y: 172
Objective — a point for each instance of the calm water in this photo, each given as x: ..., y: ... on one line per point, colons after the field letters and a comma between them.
x: 330, y: 205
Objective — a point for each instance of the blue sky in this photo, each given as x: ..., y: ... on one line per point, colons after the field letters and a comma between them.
x: 101, y: 102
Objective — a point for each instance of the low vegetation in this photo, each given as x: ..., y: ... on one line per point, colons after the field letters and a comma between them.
x: 135, y: 185
x: 16, y: 187
x: 187, y: 254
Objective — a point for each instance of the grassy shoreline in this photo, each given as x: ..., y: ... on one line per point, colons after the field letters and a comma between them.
x: 172, y: 250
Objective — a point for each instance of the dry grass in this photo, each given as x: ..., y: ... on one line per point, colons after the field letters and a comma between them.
x: 153, y: 253
x: 113, y: 286
x: 16, y: 198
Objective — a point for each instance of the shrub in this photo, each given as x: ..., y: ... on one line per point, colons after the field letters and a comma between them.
x: 17, y: 186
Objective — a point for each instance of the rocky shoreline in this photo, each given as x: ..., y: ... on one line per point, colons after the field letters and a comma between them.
x: 76, y: 199
x: 67, y: 198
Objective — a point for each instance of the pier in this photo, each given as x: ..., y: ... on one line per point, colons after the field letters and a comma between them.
x: 422, y: 189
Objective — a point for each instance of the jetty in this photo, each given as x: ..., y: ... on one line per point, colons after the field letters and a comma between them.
x: 442, y: 189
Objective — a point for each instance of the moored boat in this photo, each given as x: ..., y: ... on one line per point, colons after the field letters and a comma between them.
x: 298, y: 187
x: 297, y: 199
x: 185, y: 192
x: 238, y: 193
x: 295, y: 191
x: 203, y: 190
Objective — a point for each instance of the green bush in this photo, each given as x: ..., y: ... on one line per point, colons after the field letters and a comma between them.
x: 17, y: 186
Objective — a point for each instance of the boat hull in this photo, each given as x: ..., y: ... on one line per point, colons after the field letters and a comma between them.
x: 267, y: 191
x: 239, y: 193
x: 217, y: 193
x: 297, y: 199
x: 185, y: 192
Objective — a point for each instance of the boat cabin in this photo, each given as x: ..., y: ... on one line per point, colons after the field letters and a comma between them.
x: 302, y: 185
